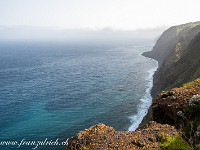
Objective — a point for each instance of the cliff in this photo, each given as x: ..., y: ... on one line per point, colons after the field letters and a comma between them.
x: 168, y: 41
x: 173, y: 121
x: 174, y: 51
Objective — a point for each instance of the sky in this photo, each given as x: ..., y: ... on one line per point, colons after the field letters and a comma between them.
x: 98, y: 14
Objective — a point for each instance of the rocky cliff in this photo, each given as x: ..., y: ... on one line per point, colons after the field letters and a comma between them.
x: 173, y: 51
x: 167, y: 104
x: 186, y: 69
x: 175, y: 39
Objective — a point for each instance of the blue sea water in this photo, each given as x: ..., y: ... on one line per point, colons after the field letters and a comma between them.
x: 53, y: 91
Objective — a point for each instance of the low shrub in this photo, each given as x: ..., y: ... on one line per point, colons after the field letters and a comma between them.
x: 174, y: 143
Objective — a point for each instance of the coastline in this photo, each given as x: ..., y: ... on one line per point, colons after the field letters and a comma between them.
x: 146, y: 100
x: 161, y: 102
x: 148, y: 115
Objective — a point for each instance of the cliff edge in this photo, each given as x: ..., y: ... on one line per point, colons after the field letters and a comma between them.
x: 104, y: 137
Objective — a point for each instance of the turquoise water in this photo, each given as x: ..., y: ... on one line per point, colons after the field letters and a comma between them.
x: 52, y: 91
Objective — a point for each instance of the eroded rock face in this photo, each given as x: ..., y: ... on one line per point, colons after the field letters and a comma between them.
x: 104, y: 137
x: 168, y: 103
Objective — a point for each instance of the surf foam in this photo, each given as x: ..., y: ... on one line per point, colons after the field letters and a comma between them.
x: 146, y: 101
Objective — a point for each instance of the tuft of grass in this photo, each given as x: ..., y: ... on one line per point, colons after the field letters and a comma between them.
x: 174, y: 143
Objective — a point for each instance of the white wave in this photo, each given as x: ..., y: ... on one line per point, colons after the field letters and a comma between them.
x: 145, y: 101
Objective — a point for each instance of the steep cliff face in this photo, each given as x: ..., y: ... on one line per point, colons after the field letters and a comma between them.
x: 186, y: 69
x: 163, y: 45
x: 170, y: 51
x: 166, y: 105
x: 175, y: 39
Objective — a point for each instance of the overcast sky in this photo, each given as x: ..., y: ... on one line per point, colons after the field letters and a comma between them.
x: 97, y: 14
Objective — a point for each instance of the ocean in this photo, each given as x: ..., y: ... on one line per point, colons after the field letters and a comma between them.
x: 51, y: 91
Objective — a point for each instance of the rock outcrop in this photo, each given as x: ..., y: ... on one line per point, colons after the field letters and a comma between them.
x: 168, y: 103
x: 104, y: 137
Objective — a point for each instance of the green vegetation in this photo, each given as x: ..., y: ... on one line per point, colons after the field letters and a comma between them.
x: 189, y: 132
x: 174, y: 143
x: 188, y: 25
x: 189, y: 123
x: 187, y: 68
x: 178, y: 54
x: 191, y: 120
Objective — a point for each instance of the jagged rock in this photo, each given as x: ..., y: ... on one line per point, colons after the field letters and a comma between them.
x: 105, y: 137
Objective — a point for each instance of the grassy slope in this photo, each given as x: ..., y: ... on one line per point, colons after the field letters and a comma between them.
x: 188, y: 66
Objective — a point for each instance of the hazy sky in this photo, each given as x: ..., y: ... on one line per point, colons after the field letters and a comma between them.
x: 117, y: 14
